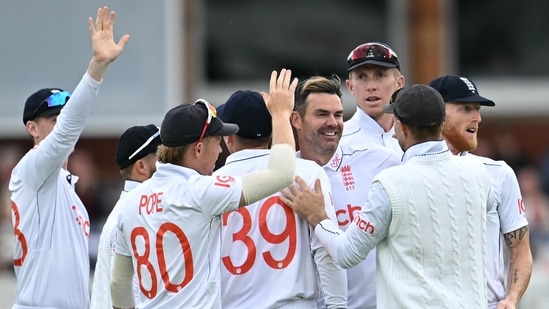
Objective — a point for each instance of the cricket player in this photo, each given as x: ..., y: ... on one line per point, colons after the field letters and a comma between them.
x: 136, y: 158
x: 51, y: 225
x: 427, y: 217
x: 318, y: 121
x: 169, y: 226
x: 266, y: 244
x: 507, y: 220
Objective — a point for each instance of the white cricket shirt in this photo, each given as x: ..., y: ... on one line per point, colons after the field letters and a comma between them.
x: 351, y: 171
x: 101, y: 292
x: 51, y: 224
x: 428, y: 220
x: 269, y: 255
x: 362, y: 129
x: 508, y: 215
x: 170, y: 226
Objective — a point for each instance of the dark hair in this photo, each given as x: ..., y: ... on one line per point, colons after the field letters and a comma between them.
x: 315, y: 84
x: 424, y: 133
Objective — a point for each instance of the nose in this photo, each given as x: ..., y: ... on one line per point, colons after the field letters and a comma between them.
x: 476, y: 117
x: 331, y: 121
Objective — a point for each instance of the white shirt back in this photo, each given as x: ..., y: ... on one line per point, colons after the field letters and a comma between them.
x: 170, y: 226
x: 269, y: 255
x: 351, y: 171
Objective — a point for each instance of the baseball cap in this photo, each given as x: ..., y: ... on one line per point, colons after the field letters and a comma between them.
x: 417, y: 105
x: 247, y: 109
x: 459, y: 89
x: 45, y: 102
x: 372, y: 53
x: 189, y: 123
x: 135, y: 143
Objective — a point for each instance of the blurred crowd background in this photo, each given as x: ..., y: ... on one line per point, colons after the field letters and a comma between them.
x: 182, y: 50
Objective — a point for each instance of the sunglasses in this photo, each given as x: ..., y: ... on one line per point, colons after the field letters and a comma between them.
x: 55, y: 99
x: 212, y: 113
x: 372, y: 50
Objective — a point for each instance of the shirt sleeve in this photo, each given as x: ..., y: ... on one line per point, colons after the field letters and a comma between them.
x: 371, y: 226
x: 333, y: 279
x: 218, y: 194
x: 511, y: 210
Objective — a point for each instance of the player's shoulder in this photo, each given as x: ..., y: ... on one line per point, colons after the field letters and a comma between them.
x: 307, y: 167
x: 491, y: 164
x: 369, y: 149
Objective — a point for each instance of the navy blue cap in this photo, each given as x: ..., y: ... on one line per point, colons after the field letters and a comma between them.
x: 459, y: 89
x: 183, y: 124
x: 247, y: 109
x: 135, y: 143
x: 35, y: 105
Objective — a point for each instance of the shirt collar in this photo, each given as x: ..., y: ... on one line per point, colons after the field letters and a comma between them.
x: 430, y: 147
x: 368, y: 123
x: 246, y: 154
x: 130, y: 185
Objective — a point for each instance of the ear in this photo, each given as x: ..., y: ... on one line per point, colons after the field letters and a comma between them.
x: 349, y: 86
x: 402, y: 127
x: 32, y: 129
x: 295, y: 120
x: 400, y: 81
x: 228, y: 139
x: 198, y: 148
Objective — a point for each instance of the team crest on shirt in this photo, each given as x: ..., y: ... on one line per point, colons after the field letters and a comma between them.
x: 347, y: 177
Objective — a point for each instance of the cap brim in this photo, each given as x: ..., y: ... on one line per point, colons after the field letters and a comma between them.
x: 56, y: 110
x: 372, y: 61
x: 388, y: 109
x: 227, y: 129
x: 474, y: 98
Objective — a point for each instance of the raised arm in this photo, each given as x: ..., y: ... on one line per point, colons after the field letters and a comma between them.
x: 281, y: 166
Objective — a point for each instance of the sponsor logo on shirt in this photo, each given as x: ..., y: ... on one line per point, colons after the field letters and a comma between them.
x: 346, y: 216
x: 83, y: 223
x: 521, y: 208
x: 224, y: 181
x: 364, y: 225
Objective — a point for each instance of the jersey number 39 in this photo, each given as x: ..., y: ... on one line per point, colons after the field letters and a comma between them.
x: 287, y: 234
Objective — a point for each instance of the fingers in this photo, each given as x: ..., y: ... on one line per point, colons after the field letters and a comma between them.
x: 318, y: 186
x: 123, y: 40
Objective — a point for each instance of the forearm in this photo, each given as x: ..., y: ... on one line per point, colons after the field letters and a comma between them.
x: 279, y: 174
x: 282, y: 130
x: 121, y: 282
x: 520, y: 264
x: 333, y: 280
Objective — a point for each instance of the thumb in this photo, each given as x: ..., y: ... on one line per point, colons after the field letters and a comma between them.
x: 318, y: 186
x: 264, y: 95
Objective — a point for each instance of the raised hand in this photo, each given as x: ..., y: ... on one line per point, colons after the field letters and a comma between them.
x: 281, y: 95
x: 105, y: 49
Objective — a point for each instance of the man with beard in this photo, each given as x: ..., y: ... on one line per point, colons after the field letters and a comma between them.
x: 318, y: 121
x: 508, y: 218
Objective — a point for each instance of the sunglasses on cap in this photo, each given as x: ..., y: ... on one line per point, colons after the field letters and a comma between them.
x: 55, y: 99
x: 372, y: 50
x: 212, y: 113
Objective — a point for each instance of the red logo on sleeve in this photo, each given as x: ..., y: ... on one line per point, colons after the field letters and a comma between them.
x: 364, y: 225
x: 521, y: 208
x: 224, y: 181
